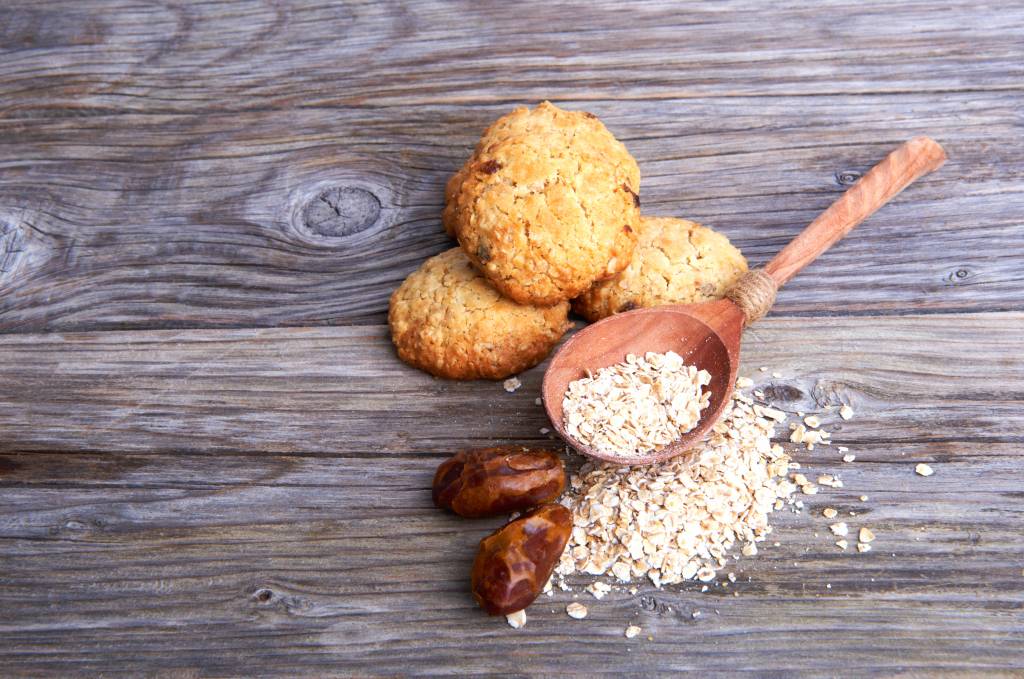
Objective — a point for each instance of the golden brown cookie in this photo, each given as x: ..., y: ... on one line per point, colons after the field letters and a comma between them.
x: 547, y: 205
x: 448, y: 320
x: 675, y: 262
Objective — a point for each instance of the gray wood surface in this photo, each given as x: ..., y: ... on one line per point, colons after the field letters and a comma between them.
x: 212, y: 464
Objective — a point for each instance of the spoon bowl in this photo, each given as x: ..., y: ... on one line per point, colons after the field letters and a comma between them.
x: 708, y: 335
x: 705, y: 335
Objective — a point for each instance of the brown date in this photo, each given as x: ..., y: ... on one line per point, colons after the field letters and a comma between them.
x: 492, y: 481
x: 515, y: 562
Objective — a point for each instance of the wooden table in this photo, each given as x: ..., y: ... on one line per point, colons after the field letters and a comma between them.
x: 212, y: 463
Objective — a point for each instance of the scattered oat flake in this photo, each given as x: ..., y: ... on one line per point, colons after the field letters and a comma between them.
x: 842, y: 449
x: 771, y: 413
x: 863, y: 498
x: 744, y: 382
x: 537, y: 401
x: 763, y: 368
x: 849, y: 457
x: 924, y: 470
x: 516, y: 620
x: 809, y: 489
x: 576, y: 610
x: 632, y: 631
x: 599, y: 589
x: 511, y: 384
x: 865, y: 535
x: 749, y: 549
x: 777, y: 375
x: 545, y: 430
x: 830, y: 480
x: 839, y: 529
x: 863, y: 547
x: 846, y: 412
x: 842, y: 544
x: 829, y: 513
x: 812, y: 421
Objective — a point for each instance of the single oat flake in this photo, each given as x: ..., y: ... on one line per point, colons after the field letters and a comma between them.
x: 924, y: 470
x: 516, y: 620
x: 638, y: 406
x: 511, y: 384
x: 839, y: 529
x: 632, y: 631
x: 576, y: 610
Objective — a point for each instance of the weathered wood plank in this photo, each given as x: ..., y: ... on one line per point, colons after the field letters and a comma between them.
x: 187, y: 222
x: 342, y: 390
x: 255, y: 502
x: 249, y: 54
x: 128, y: 547
x: 158, y: 160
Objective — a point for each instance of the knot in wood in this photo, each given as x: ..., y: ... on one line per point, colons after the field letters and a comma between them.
x: 11, y: 247
x: 959, y: 276
x: 341, y: 211
x: 847, y: 177
x: 754, y: 294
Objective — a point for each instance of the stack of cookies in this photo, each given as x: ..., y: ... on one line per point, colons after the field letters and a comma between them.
x: 546, y: 211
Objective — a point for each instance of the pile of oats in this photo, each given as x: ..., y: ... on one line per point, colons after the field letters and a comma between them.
x: 678, y: 519
x: 638, y: 406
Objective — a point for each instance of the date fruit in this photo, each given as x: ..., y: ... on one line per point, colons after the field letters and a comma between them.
x: 515, y: 562
x: 493, y: 481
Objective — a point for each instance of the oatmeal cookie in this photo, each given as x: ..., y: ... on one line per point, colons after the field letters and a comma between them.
x: 448, y: 320
x: 547, y: 205
x: 675, y: 262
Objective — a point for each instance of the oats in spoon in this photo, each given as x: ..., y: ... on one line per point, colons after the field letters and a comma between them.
x: 638, y: 406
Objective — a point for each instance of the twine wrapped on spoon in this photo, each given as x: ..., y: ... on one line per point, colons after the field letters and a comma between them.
x: 754, y: 294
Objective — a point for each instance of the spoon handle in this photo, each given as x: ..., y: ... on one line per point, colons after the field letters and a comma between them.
x: 912, y: 160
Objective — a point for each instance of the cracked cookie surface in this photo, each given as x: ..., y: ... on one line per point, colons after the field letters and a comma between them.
x: 547, y: 205
x: 675, y: 262
x: 448, y: 320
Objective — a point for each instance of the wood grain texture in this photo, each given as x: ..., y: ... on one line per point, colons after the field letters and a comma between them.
x: 258, y: 502
x: 342, y: 390
x: 214, y: 465
x: 173, y: 165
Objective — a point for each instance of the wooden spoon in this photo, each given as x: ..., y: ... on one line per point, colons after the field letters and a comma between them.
x: 708, y: 335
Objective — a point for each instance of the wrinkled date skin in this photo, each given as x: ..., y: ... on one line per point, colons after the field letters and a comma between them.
x: 515, y: 562
x: 493, y: 481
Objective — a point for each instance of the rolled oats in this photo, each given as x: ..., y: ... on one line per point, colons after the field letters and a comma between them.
x: 839, y: 529
x: 516, y: 620
x: 677, y: 520
x: 576, y: 610
x: 638, y: 406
